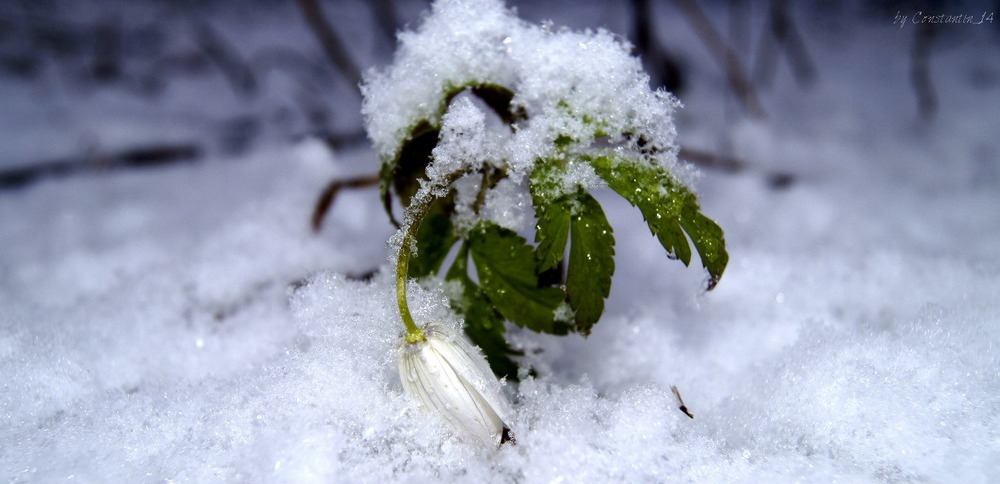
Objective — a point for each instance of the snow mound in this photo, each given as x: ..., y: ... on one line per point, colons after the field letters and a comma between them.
x: 574, y: 87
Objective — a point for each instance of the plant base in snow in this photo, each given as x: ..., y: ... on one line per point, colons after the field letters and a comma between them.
x: 484, y: 117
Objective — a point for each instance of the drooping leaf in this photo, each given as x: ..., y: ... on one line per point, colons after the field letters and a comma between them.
x: 708, y: 238
x: 435, y: 237
x: 553, y: 214
x: 670, y: 210
x: 551, y: 234
x: 483, y: 324
x: 591, y: 262
x: 505, y: 264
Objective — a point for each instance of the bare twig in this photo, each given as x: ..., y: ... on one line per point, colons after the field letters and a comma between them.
x: 385, y: 16
x: 729, y: 164
x: 682, y: 407
x: 337, y: 141
x: 781, y: 30
x: 920, y: 75
x: 143, y: 157
x: 329, y: 193
x: 725, y: 55
x: 230, y: 62
x: 715, y: 161
x: 328, y: 39
x: 789, y: 37
x: 660, y: 62
x: 105, y: 64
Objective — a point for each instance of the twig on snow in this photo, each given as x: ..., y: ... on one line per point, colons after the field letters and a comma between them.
x: 725, y: 55
x: 328, y: 39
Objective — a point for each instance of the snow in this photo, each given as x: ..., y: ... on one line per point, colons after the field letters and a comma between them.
x: 182, y: 323
x: 573, y: 86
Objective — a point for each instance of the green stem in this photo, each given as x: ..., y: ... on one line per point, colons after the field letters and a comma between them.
x: 416, y: 210
x: 413, y: 332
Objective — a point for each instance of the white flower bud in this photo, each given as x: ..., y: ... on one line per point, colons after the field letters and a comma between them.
x: 448, y: 375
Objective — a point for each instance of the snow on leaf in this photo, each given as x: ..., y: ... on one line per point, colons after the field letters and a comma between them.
x: 670, y: 210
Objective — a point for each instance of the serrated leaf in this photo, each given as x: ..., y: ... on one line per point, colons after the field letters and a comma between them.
x: 670, y: 210
x: 505, y: 264
x: 708, y: 238
x: 551, y: 234
x: 435, y: 237
x: 483, y: 324
x: 552, y: 228
x: 591, y: 262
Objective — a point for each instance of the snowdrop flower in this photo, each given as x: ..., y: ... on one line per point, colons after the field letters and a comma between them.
x: 449, y: 376
x: 438, y: 365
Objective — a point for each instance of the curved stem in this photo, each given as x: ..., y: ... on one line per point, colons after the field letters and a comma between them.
x: 419, y: 205
x: 413, y: 332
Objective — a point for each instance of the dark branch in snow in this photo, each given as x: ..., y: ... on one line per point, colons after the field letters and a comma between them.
x: 235, y: 69
x: 706, y: 159
x: 337, y: 141
x: 682, y: 407
x: 728, y: 164
x: 661, y: 64
x: 386, y: 19
x: 920, y: 75
x: 143, y: 157
x: 330, y: 194
x: 328, y: 39
x: 106, y: 62
x: 725, y: 55
x: 781, y: 30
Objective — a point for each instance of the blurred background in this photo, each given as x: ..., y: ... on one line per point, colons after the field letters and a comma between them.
x: 92, y: 85
x: 168, y: 313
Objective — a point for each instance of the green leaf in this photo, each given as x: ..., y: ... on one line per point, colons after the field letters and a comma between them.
x: 505, y: 264
x: 483, y: 324
x: 670, y: 210
x: 708, y: 239
x: 591, y: 262
x: 551, y: 234
x: 435, y: 237
x: 552, y: 228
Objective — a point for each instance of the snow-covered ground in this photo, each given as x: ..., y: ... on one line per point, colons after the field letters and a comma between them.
x: 182, y: 323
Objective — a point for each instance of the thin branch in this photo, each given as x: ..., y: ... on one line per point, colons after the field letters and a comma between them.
x: 385, y: 16
x: 328, y: 39
x: 775, y: 179
x: 710, y: 160
x: 338, y: 141
x: 329, y: 194
x: 725, y: 55
x: 920, y: 75
x: 230, y: 62
x: 661, y: 64
x: 150, y: 156
x: 767, y: 55
x: 682, y: 407
x: 782, y: 29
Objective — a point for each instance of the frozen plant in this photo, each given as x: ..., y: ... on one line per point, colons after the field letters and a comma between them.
x: 438, y: 365
x: 483, y: 117
x: 441, y: 370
